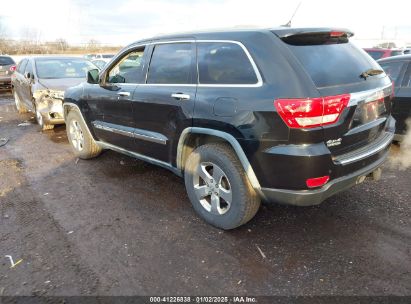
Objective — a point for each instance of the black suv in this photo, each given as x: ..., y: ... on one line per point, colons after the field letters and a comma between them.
x: 286, y: 115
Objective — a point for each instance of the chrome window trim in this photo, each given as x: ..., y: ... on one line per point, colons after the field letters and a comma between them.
x: 259, y: 82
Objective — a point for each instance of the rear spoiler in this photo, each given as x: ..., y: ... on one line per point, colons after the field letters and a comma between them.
x: 284, y: 32
x: 311, y: 36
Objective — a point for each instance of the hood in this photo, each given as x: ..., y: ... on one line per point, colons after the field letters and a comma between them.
x: 60, y: 84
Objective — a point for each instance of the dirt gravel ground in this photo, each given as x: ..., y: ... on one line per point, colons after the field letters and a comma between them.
x: 118, y: 226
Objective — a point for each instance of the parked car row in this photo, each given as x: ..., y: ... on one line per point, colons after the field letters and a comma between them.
x: 39, y: 84
x: 379, y: 53
x: 285, y: 115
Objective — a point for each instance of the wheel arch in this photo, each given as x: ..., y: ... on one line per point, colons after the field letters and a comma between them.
x: 193, y: 137
x: 67, y: 107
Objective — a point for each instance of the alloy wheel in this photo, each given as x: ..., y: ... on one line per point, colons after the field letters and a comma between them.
x: 76, y: 135
x: 212, y: 188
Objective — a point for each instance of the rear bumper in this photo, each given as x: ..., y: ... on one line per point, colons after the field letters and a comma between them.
x: 315, y: 197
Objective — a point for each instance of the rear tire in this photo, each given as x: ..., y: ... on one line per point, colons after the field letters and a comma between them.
x: 218, y: 187
x: 20, y: 108
x: 81, y: 141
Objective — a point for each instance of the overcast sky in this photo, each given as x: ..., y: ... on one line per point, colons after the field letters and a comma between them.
x: 124, y: 21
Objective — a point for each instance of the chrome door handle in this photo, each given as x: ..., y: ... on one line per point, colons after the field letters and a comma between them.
x: 123, y: 93
x: 180, y: 96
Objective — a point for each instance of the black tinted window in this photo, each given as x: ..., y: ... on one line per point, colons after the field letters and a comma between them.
x: 393, y: 69
x: 376, y: 54
x: 333, y: 64
x: 224, y: 63
x: 22, y: 66
x: 171, y: 63
x: 5, y: 60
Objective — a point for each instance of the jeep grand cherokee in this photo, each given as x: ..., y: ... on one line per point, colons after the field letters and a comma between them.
x: 286, y: 115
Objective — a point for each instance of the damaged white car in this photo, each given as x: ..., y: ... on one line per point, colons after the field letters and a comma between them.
x: 39, y: 84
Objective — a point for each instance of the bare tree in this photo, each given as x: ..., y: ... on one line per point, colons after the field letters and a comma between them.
x: 62, y: 44
x: 93, y: 44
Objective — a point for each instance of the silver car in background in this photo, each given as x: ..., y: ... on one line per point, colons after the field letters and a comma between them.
x: 39, y: 84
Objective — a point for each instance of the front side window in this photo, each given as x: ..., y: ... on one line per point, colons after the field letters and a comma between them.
x: 128, y: 69
x: 224, y: 63
x: 171, y: 64
x: 393, y: 69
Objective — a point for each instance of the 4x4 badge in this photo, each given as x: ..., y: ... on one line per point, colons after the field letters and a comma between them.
x: 334, y: 142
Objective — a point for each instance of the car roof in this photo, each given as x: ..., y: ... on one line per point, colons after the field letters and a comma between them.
x: 225, y: 33
x: 395, y: 58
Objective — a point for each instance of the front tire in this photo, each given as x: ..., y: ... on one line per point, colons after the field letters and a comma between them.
x: 218, y: 187
x: 80, y: 139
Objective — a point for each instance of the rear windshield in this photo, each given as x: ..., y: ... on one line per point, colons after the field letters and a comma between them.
x: 332, y: 64
x: 4, y: 60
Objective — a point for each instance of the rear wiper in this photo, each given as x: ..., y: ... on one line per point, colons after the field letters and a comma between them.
x: 370, y: 72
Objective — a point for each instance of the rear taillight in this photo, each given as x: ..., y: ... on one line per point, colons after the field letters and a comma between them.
x: 311, y: 112
x: 317, y: 181
x: 12, y: 68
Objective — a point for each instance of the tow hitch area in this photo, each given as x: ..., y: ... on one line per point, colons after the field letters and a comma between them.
x: 374, y: 175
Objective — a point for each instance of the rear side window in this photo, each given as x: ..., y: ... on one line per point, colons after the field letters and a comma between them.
x: 333, y: 64
x: 376, y: 54
x: 5, y: 60
x: 393, y: 69
x: 22, y: 66
x: 224, y: 63
x: 171, y: 64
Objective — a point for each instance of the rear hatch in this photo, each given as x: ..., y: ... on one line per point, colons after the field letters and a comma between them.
x: 7, y: 66
x: 357, y: 89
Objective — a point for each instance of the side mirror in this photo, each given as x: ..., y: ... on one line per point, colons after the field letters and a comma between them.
x: 93, y: 76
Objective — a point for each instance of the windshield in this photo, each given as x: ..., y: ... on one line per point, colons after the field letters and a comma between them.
x: 107, y: 56
x: 54, y: 68
x: 334, y: 64
x: 4, y: 60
